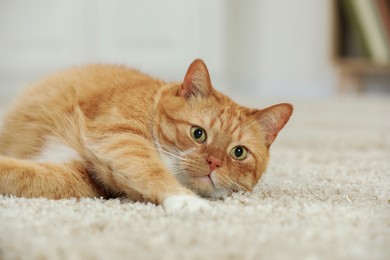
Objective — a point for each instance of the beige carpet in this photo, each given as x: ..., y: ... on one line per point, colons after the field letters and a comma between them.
x: 326, y: 195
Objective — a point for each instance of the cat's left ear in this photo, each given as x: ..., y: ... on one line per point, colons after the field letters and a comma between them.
x: 196, y: 81
x: 273, y: 119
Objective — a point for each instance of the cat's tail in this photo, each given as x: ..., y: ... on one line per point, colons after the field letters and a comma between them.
x: 29, y: 179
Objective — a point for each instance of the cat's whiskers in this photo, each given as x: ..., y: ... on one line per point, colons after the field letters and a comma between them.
x: 162, y: 150
x: 228, y: 181
x: 106, y: 158
x: 177, y: 172
x: 187, y: 152
x: 190, y: 165
x: 226, y: 184
x: 171, y: 154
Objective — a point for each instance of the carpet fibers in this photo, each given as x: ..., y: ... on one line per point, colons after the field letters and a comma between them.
x: 325, y: 195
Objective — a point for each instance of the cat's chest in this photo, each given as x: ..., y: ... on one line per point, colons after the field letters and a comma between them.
x: 169, y: 161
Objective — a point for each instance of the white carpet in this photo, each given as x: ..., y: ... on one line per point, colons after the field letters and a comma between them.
x: 326, y: 195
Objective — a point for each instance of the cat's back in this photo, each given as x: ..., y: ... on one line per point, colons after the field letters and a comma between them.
x: 106, y: 80
x: 93, y: 87
x: 96, y: 89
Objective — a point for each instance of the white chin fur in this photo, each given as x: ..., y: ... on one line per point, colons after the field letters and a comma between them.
x: 219, y: 191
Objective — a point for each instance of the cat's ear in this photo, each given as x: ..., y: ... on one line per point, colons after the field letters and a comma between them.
x: 273, y: 119
x: 196, y: 81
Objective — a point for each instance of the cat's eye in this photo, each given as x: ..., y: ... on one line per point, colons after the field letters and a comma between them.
x: 239, y: 153
x: 198, y: 134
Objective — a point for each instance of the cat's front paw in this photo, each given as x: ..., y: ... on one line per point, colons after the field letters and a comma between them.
x: 189, y: 203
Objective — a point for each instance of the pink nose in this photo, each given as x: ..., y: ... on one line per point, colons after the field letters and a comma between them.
x: 214, y: 162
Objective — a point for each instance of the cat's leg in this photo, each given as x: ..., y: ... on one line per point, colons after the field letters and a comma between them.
x: 135, y: 165
x: 55, y: 181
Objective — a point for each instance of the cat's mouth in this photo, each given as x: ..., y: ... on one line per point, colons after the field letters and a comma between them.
x: 207, y: 179
x: 206, y: 185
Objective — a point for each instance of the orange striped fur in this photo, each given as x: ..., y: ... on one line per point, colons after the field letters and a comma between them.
x: 131, y: 135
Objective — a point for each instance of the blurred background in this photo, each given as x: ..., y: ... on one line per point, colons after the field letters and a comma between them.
x: 253, y: 48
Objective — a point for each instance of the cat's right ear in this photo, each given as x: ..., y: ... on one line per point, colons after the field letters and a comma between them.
x: 196, y: 81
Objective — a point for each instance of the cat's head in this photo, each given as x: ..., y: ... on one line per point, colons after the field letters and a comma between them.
x: 212, y: 145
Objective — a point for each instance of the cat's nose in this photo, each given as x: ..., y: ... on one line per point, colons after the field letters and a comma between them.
x: 213, y: 162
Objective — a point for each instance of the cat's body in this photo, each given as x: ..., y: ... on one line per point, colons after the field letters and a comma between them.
x: 109, y: 130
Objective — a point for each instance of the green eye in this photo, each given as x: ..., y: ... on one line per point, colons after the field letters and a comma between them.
x: 239, y: 153
x: 198, y: 134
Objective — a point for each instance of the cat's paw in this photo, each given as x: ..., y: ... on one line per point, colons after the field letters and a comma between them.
x: 189, y: 203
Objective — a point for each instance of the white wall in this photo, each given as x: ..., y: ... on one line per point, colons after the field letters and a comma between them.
x: 252, y: 47
x: 295, y: 48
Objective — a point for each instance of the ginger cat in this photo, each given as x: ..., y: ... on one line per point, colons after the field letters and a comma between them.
x: 106, y: 131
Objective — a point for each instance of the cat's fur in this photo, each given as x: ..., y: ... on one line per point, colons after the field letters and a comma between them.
x: 103, y: 131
